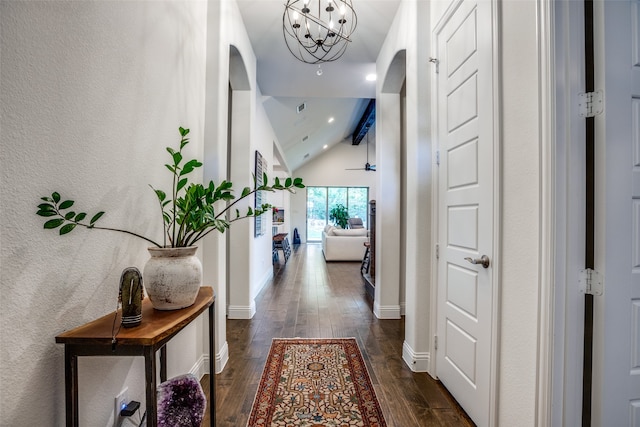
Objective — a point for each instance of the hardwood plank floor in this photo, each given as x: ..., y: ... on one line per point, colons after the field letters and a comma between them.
x: 310, y: 298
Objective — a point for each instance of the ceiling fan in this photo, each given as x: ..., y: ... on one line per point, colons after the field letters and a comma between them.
x: 367, y: 166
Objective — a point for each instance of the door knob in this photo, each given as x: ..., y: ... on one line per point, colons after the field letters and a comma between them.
x: 483, y: 260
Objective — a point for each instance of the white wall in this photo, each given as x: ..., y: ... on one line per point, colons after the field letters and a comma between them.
x: 329, y: 169
x: 92, y: 92
x: 404, y: 58
x: 520, y: 199
x: 226, y: 33
x: 249, y: 264
x: 520, y: 214
x: 261, y: 266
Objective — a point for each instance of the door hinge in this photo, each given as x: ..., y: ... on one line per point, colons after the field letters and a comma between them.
x: 435, y: 342
x: 437, y: 251
x: 590, y: 282
x: 438, y: 157
x: 435, y: 61
x: 590, y: 104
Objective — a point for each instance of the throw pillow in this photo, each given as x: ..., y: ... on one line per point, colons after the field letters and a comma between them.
x: 350, y: 232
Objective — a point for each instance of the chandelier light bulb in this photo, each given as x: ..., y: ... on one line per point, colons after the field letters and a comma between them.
x: 296, y: 15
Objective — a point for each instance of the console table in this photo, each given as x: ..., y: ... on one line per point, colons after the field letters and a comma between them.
x: 157, y: 328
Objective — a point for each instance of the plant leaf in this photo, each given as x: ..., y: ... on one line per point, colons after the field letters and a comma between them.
x: 177, y: 158
x: 161, y: 194
x: 80, y: 216
x: 190, y: 166
x: 55, y: 196
x: 46, y: 213
x: 69, y: 215
x: 46, y: 207
x: 96, y: 217
x: 66, y: 204
x: 54, y: 223
x: 245, y: 192
x: 288, y: 182
x: 181, y: 184
x: 67, y: 228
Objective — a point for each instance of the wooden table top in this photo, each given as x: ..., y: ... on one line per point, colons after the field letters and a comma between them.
x: 156, y: 325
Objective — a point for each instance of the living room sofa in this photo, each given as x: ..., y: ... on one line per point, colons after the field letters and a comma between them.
x: 344, y: 244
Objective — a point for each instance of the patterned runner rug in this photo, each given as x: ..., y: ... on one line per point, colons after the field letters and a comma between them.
x: 314, y: 383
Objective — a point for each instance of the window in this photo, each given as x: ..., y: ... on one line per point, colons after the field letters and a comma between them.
x: 320, y: 200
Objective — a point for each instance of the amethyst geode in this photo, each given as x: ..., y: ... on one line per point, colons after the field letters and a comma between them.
x: 181, y: 402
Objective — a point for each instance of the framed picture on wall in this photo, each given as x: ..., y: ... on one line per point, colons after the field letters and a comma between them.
x: 260, y: 170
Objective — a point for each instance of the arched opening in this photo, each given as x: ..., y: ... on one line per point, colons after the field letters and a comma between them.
x: 391, y: 208
x: 239, y: 302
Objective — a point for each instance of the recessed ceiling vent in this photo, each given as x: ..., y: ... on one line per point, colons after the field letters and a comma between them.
x: 300, y: 108
x: 305, y: 138
x: 306, y: 155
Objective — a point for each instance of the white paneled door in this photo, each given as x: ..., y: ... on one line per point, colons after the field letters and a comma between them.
x: 466, y: 143
x: 616, y: 400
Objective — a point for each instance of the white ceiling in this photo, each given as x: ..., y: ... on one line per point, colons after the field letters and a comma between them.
x: 340, y: 92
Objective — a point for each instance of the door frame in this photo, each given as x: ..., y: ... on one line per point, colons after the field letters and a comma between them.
x: 562, y: 370
x: 497, y: 201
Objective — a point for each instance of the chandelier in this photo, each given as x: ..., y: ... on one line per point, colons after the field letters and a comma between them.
x: 318, y: 31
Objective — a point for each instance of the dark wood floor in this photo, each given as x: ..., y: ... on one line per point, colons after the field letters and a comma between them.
x: 311, y: 298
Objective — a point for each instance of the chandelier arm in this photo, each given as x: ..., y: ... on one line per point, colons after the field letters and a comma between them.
x: 319, y: 22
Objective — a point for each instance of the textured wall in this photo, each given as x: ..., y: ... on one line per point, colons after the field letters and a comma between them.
x: 91, y: 93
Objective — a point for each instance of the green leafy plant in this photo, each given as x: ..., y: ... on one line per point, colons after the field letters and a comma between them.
x: 189, y: 213
x: 339, y: 215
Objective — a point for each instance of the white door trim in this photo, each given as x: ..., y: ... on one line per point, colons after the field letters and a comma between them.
x: 497, y: 186
x: 496, y: 259
x: 547, y: 123
x: 568, y: 167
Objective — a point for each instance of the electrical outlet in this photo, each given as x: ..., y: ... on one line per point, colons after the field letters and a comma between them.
x: 120, y: 402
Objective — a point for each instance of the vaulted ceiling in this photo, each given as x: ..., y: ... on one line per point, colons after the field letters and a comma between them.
x: 341, y: 91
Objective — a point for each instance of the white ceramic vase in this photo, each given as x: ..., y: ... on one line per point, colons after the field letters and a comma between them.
x: 172, y: 277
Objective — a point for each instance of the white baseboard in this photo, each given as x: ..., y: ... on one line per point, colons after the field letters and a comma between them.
x: 201, y: 367
x: 386, y: 312
x: 241, y: 311
x: 403, y: 308
x: 263, y: 282
x: 222, y: 357
x: 417, y: 362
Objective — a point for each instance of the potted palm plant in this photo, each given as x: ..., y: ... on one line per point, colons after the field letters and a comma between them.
x: 189, y: 212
